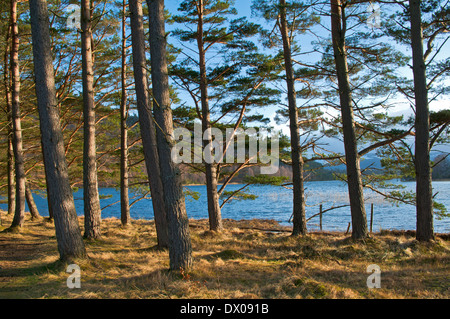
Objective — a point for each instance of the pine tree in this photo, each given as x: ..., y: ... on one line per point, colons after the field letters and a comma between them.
x: 11, y: 192
x: 90, y: 184
x: 124, y: 196
x: 299, y: 218
x: 146, y: 122
x: 289, y: 19
x: 213, y: 29
x: 426, y: 36
x: 355, y: 186
x: 68, y: 234
x: 180, y: 247
x: 19, y: 213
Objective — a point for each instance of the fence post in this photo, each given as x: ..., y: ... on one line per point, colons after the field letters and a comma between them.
x: 320, y: 217
x: 371, y: 217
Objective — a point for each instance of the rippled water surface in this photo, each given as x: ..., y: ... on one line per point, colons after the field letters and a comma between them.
x: 274, y: 202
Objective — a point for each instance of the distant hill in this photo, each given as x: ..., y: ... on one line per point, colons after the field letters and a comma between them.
x: 315, y: 171
x: 442, y: 168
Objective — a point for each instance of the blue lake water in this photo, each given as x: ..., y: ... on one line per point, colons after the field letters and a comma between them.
x: 275, y: 202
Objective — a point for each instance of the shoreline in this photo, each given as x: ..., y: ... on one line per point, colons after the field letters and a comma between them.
x: 331, y: 180
x: 258, y: 224
x: 242, y: 183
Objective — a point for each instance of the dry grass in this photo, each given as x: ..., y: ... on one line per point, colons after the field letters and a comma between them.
x: 238, y: 263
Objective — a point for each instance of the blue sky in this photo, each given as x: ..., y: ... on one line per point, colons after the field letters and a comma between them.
x: 244, y: 9
x: 243, y: 6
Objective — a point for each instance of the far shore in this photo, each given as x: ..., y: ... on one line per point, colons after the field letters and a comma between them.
x: 105, y: 185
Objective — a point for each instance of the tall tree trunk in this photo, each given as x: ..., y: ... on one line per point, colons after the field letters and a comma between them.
x: 180, y: 247
x: 355, y: 188
x: 214, y: 212
x: 68, y: 234
x: 10, y: 161
x: 92, y: 211
x: 19, y: 213
x: 424, y: 192
x: 299, y: 219
x: 49, y: 204
x: 124, y: 197
x: 10, y: 149
x: 31, y: 204
x: 147, y: 126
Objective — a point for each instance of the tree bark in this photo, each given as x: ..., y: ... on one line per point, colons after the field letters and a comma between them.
x: 355, y: 188
x: 424, y: 192
x: 10, y: 149
x: 299, y: 219
x: 34, y: 212
x: 147, y: 126
x: 49, y: 204
x: 11, y: 175
x: 124, y: 197
x: 214, y: 212
x: 19, y: 213
x: 68, y: 235
x: 180, y: 248
x: 92, y: 211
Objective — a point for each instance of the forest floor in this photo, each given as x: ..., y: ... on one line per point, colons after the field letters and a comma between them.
x: 250, y: 259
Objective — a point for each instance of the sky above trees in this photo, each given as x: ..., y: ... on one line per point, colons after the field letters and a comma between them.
x: 403, y: 107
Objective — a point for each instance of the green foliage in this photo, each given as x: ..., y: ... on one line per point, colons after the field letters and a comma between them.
x: 440, y: 210
x: 236, y: 71
x: 243, y: 79
x: 266, y: 180
x: 190, y: 194
x: 238, y: 196
x: 435, y: 27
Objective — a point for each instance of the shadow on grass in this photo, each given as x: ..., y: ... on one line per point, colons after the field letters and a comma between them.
x: 36, y: 270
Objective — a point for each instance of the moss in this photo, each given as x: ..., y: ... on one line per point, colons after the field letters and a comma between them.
x: 304, y: 287
x: 298, y: 282
x: 229, y: 254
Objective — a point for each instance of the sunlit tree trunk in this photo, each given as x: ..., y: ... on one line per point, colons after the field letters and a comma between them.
x: 180, y: 248
x: 19, y: 213
x: 424, y: 192
x: 299, y: 219
x: 60, y: 197
x: 10, y: 168
x: 124, y: 197
x: 355, y: 187
x: 10, y: 149
x: 92, y: 211
x: 147, y: 126
x: 214, y: 212
x: 31, y: 203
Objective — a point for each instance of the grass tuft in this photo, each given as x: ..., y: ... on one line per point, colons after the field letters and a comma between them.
x: 248, y: 259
